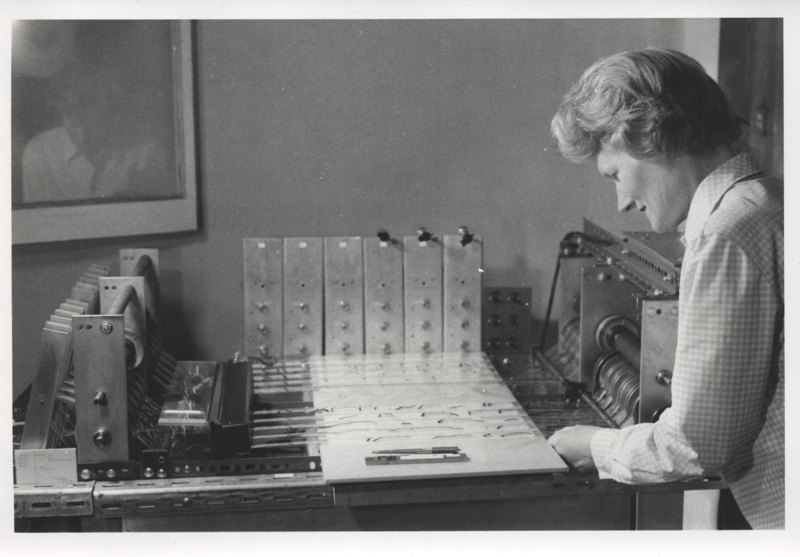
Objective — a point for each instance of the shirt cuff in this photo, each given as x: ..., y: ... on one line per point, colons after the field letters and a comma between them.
x: 601, y: 445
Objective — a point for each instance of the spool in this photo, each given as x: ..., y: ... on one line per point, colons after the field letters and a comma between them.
x: 618, y: 377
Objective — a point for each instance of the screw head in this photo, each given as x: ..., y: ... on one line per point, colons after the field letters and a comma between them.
x: 106, y: 327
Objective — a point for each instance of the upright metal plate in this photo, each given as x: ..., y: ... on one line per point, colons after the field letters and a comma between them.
x: 462, y: 294
x: 383, y: 297
x: 302, y: 297
x: 129, y: 257
x: 422, y: 274
x: 604, y: 293
x: 263, y: 297
x: 55, y: 356
x: 659, y: 336
x: 344, y: 296
x: 99, y: 346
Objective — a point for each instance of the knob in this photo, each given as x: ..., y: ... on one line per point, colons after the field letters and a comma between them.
x: 102, y: 438
x: 466, y: 237
x: 425, y: 325
x: 383, y: 236
x: 344, y: 305
x: 387, y: 348
x: 111, y: 473
x: 426, y: 347
x: 100, y: 399
x: 263, y: 329
x: 149, y: 472
x: 423, y: 235
x: 664, y: 377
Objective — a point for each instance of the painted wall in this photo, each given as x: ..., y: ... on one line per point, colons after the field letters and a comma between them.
x: 314, y: 128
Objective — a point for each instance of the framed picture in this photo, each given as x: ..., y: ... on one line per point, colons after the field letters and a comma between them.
x: 103, y: 141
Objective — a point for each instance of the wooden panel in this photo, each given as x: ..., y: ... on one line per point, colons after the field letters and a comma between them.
x: 462, y: 294
x: 422, y: 284
x: 302, y: 297
x: 405, y: 401
x: 263, y: 297
x: 383, y: 297
x: 344, y: 296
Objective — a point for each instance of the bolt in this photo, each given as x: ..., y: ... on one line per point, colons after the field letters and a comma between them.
x: 111, y: 474
x: 86, y: 474
x: 161, y: 473
x: 149, y: 472
x: 465, y: 346
x: 387, y: 348
x: 263, y: 328
x: 651, y: 312
x: 106, y: 327
x: 344, y: 305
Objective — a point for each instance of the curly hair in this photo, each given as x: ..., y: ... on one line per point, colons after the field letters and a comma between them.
x: 652, y: 102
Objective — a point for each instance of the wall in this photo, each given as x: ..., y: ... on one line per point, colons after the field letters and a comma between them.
x: 342, y: 128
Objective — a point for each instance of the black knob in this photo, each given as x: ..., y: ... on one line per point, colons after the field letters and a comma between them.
x: 466, y: 237
x: 423, y: 235
x: 102, y: 438
x: 383, y: 236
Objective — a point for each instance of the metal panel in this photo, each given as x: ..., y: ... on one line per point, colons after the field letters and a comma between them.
x: 383, y: 297
x: 263, y: 297
x: 129, y: 257
x: 422, y: 275
x: 344, y: 296
x: 128, y: 261
x: 55, y: 356
x: 462, y: 294
x: 100, y: 373
x: 302, y: 297
x: 659, y: 340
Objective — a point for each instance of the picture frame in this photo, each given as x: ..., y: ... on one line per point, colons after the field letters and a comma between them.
x: 169, y: 203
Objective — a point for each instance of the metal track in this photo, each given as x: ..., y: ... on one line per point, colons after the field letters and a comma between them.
x: 220, y: 494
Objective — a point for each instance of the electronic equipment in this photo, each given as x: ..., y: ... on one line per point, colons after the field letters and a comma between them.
x: 617, y: 317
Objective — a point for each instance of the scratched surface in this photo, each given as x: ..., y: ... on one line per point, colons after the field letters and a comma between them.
x: 366, y: 403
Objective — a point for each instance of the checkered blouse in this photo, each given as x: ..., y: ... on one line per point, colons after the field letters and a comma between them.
x: 728, y: 383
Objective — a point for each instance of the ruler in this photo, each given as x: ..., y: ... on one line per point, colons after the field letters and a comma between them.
x: 415, y: 459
